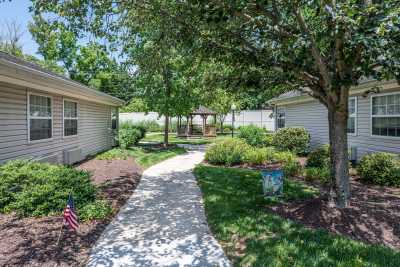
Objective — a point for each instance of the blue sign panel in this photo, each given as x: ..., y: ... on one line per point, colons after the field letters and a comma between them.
x: 272, y: 182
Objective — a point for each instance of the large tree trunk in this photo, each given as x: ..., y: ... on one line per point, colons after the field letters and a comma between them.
x: 166, y: 130
x: 339, y: 155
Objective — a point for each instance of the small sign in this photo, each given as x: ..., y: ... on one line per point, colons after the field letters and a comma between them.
x: 272, y: 182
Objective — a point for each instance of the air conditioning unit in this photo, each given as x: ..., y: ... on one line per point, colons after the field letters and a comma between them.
x: 353, y: 154
x: 72, y: 156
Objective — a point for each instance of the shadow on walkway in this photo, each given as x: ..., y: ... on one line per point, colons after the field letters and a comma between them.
x: 163, y: 223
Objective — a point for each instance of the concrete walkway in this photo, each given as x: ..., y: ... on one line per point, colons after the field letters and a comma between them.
x: 163, y: 223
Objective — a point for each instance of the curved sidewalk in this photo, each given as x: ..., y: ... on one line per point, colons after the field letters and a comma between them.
x: 163, y: 223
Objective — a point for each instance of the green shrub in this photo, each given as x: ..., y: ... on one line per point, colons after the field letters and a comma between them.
x: 227, y: 128
x: 252, y: 134
x: 38, y: 189
x: 228, y: 152
x: 130, y: 134
x: 284, y: 157
x: 291, y: 168
x: 380, y: 168
x: 150, y: 125
x: 268, y: 139
x: 319, y: 158
x: 321, y: 174
x: 139, y: 126
x: 128, y: 137
x: 96, y: 210
x: 296, y: 140
x: 141, y: 129
x: 258, y: 156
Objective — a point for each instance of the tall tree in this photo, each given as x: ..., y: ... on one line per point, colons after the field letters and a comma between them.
x: 90, y: 63
x: 10, y: 42
x: 163, y: 80
x: 221, y: 103
x: 10, y: 38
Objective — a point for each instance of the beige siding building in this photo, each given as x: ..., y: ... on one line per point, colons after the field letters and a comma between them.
x: 48, y: 117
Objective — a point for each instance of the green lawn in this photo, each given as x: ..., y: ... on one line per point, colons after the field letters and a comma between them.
x: 173, y: 139
x: 145, y: 156
x: 252, y: 236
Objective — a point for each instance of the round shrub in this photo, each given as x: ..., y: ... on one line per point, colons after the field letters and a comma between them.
x: 227, y: 129
x: 319, y: 158
x: 128, y: 137
x: 269, y: 139
x: 252, y: 134
x: 380, y: 168
x: 227, y: 152
x: 258, y: 156
x: 296, y: 140
x: 142, y: 129
x: 39, y: 189
x: 130, y: 134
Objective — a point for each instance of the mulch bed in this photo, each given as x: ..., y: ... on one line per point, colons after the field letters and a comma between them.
x: 373, y: 215
x: 32, y: 241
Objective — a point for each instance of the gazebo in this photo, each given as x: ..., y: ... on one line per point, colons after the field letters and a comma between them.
x: 189, y: 129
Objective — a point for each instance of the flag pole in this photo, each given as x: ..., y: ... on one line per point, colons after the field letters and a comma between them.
x: 60, y: 233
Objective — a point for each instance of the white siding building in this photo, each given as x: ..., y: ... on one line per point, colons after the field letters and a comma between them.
x: 374, y: 118
x: 48, y: 117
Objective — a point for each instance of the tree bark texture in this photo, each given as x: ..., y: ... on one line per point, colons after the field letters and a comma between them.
x: 339, y: 155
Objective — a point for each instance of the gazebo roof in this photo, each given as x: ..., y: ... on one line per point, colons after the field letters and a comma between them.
x: 202, y: 110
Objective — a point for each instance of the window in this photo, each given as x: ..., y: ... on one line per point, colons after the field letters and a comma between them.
x: 352, y: 120
x: 385, y: 115
x: 40, y: 117
x: 114, y: 116
x: 70, y: 118
x: 280, y: 117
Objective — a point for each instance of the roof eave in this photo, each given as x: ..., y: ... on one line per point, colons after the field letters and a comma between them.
x: 52, y: 84
x: 384, y: 85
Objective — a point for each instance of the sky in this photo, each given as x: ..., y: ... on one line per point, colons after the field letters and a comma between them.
x: 18, y: 10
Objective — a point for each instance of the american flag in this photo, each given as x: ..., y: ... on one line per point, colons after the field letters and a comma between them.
x: 70, y: 217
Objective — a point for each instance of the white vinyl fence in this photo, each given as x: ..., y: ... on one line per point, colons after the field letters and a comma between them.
x: 260, y: 118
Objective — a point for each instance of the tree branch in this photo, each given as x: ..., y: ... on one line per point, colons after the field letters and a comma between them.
x: 316, y: 53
